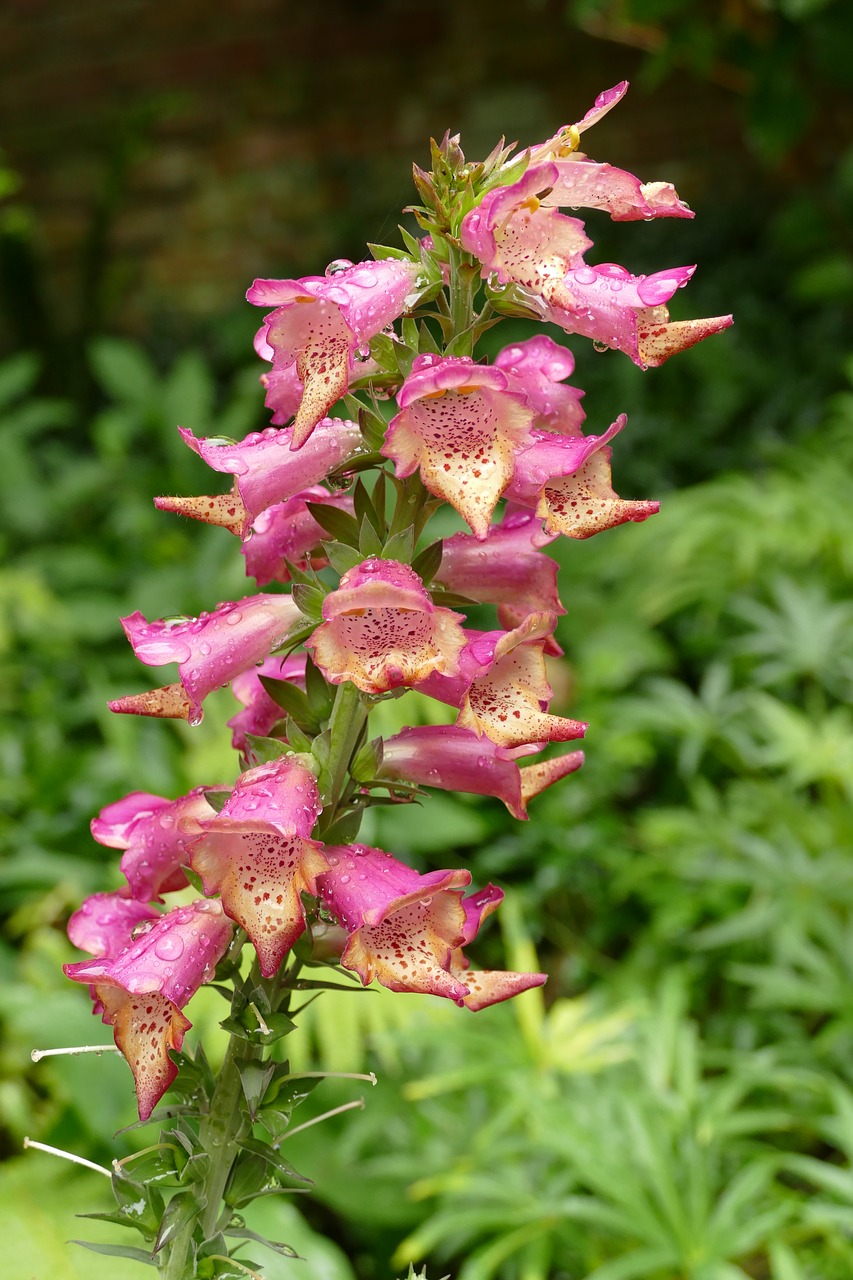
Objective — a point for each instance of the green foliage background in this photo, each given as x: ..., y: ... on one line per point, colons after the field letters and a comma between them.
x: 679, y: 1105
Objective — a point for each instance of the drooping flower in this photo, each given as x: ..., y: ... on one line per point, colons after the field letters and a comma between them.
x: 456, y: 759
x: 289, y: 532
x: 142, y: 989
x: 266, y: 471
x: 486, y: 986
x: 261, y: 711
x: 461, y: 424
x: 258, y: 855
x: 407, y: 930
x: 537, y: 368
x: 320, y: 322
x: 381, y: 630
x: 520, y: 239
x: 506, y: 568
x: 583, y: 183
x: 566, y: 479
x: 502, y: 691
x: 103, y: 924
x: 210, y: 650
x: 153, y: 832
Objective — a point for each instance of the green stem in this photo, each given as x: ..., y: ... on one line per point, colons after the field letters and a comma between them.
x: 348, y: 718
x: 461, y: 303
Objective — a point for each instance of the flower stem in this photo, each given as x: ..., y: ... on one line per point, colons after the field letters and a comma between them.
x: 348, y: 718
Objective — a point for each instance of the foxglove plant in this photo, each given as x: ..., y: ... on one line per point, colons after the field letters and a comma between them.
x: 331, y: 512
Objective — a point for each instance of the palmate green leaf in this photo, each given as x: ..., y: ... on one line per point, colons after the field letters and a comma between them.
x: 123, y: 371
x: 784, y: 1263
x: 632, y: 1266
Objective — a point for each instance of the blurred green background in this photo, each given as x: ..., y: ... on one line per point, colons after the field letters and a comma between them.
x: 680, y: 1104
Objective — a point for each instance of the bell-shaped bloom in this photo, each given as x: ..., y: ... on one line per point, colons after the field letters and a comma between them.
x: 566, y: 479
x: 520, y: 239
x: 506, y: 568
x: 487, y: 986
x: 261, y: 711
x: 209, y: 650
x: 407, y: 930
x: 583, y: 183
x: 153, y: 832
x: 382, y: 630
x: 461, y: 424
x: 320, y: 322
x: 517, y: 239
x: 104, y: 923
x: 288, y: 532
x: 143, y: 988
x: 455, y: 759
x: 537, y: 368
x: 502, y: 691
x: 266, y: 471
x: 258, y: 856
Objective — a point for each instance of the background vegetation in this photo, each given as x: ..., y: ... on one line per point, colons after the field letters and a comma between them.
x: 679, y: 1106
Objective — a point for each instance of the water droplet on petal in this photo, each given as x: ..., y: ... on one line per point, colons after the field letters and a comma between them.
x: 169, y: 948
x: 339, y: 265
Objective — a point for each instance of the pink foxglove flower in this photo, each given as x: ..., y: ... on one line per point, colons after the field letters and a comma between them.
x: 506, y: 568
x: 567, y: 480
x: 461, y: 424
x: 210, y: 650
x: 406, y: 930
x: 538, y: 367
x: 486, y: 986
x: 288, y: 532
x: 153, y: 832
x: 320, y: 322
x: 261, y: 711
x: 584, y: 183
x: 382, y: 630
x: 455, y: 759
x: 257, y: 854
x: 266, y: 471
x: 142, y: 989
x: 517, y: 238
x: 502, y: 692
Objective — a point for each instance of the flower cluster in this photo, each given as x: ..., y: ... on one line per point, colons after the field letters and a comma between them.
x: 362, y: 606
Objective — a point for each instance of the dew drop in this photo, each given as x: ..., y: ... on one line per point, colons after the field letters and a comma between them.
x: 169, y: 948
x: 338, y: 266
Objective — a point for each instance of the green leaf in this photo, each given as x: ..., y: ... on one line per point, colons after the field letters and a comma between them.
x: 342, y: 558
x: 309, y: 601
x: 182, y: 1209
x: 118, y: 1251
x: 399, y: 546
x: 339, y: 524
x: 369, y: 541
x: 291, y: 698
x: 427, y: 562
x: 265, y: 749
x: 245, y: 1233
x: 318, y: 691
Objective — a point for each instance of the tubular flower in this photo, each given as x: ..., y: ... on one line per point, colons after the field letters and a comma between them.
x: 407, y: 930
x: 503, y: 691
x: 382, y: 630
x: 567, y: 480
x: 487, y: 986
x: 266, y: 471
x: 261, y: 711
x: 520, y: 239
x: 505, y: 568
x: 583, y: 183
x: 142, y: 989
x: 455, y: 759
x: 258, y: 855
x: 537, y: 368
x: 210, y: 650
x: 153, y: 832
x: 461, y: 424
x: 319, y: 324
x: 288, y: 532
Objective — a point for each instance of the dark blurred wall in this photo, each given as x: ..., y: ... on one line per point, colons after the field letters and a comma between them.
x: 169, y: 152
